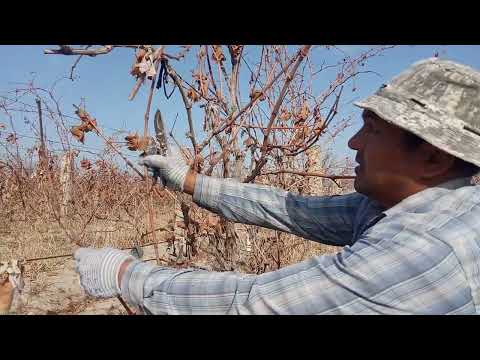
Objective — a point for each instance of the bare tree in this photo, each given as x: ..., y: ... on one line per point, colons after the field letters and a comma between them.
x: 262, y: 116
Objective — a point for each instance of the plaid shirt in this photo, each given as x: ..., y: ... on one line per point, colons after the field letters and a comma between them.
x: 421, y: 256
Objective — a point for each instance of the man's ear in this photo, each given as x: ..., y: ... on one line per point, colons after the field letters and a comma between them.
x: 435, y: 161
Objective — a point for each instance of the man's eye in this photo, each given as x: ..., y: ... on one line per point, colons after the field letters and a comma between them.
x: 370, y: 129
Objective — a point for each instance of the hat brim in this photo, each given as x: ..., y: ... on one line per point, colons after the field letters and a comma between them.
x: 444, y: 132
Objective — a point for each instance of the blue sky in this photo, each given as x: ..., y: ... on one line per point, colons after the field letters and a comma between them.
x: 104, y: 82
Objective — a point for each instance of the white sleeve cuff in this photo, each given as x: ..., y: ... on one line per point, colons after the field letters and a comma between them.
x: 207, y: 190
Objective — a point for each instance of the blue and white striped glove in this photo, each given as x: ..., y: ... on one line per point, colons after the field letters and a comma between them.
x: 98, y: 270
x: 171, y: 168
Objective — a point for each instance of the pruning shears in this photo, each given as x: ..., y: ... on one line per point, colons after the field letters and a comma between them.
x: 159, y: 144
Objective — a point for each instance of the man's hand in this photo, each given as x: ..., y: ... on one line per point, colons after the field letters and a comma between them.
x: 171, y: 168
x: 99, y: 270
x: 6, y: 295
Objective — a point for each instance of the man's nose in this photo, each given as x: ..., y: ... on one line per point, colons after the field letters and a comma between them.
x: 355, y: 141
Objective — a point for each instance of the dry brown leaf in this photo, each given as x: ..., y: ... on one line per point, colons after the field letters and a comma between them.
x: 82, y: 114
x: 218, y: 54
x: 144, y: 63
x: 140, y: 54
x: 136, y: 142
x: 135, y: 71
x: 193, y: 95
x: 89, y: 123
x: 78, y: 133
x: 299, y: 137
x: 303, y: 114
x: 202, y: 83
x: 257, y: 94
x: 236, y: 49
x: 285, y: 115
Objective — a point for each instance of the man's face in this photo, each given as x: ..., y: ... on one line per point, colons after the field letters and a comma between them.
x: 385, y: 163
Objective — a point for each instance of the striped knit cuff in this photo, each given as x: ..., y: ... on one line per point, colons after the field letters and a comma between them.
x: 110, y: 267
x: 207, y: 191
x: 133, y: 281
x: 177, y: 176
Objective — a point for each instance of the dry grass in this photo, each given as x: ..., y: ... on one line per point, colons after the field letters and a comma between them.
x: 107, y: 208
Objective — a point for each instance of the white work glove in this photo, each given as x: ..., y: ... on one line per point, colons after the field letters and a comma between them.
x: 171, y: 168
x: 98, y: 270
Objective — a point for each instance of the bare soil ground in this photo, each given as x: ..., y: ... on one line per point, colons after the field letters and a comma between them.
x: 57, y: 291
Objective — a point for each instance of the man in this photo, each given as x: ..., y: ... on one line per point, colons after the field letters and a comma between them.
x: 410, y: 233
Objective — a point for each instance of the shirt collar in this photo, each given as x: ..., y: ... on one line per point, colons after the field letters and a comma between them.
x: 428, y: 195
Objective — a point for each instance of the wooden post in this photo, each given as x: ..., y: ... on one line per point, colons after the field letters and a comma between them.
x: 66, y: 169
x: 41, y: 153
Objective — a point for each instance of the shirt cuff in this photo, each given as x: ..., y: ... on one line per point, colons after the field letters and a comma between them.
x: 133, y: 281
x: 207, y: 190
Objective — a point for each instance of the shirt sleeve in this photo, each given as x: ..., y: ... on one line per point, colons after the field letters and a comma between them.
x: 393, y: 275
x: 326, y: 219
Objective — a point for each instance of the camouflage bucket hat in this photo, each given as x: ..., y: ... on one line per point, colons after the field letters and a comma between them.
x: 437, y: 100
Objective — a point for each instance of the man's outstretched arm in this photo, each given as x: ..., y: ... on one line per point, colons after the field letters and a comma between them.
x: 326, y: 219
x: 374, y: 276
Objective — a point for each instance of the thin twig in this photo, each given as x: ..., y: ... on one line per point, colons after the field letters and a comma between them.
x: 229, y: 122
x: 188, y: 107
x: 298, y: 59
x: 311, y: 141
x: 67, y: 50
x: 210, y: 69
x: 76, y: 63
x: 71, y: 254
x: 137, y: 86
x: 181, y: 55
x: 274, y: 127
x: 234, y: 78
x: 315, y: 174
